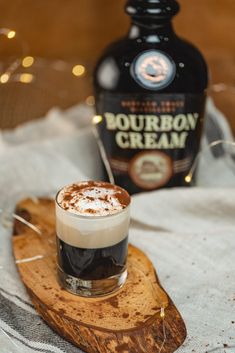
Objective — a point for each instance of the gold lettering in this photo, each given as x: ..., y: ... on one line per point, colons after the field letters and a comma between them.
x: 110, y: 121
x: 192, y: 119
x: 166, y: 122
x: 137, y: 126
x: 136, y: 140
x: 151, y: 123
x: 122, y: 139
x: 163, y: 142
x: 178, y: 140
x: 150, y: 140
x: 139, y: 131
x: 180, y: 123
x: 122, y: 122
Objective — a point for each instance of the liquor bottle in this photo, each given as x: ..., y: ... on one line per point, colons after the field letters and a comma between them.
x: 150, y: 89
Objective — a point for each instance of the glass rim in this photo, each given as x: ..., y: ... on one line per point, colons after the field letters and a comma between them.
x: 91, y: 218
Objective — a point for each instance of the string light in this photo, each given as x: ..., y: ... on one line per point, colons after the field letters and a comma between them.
x: 7, y: 75
x: 188, y: 178
x: 30, y: 259
x: 222, y: 87
x: 162, y: 316
x: 11, y: 34
x: 97, y: 119
x: 90, y: 101
x: 4, y: 78
x: 22, y: 220
x: 27, y: 61
x: 213, y: 144
x: 26, y: 78
x: 23, y: 78
x: 78, y: 70
x: 162, y: 313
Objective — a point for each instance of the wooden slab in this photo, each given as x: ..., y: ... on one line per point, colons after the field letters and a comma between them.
x: 127, y: 321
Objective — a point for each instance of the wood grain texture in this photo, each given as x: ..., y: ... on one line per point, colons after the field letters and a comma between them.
x: 127, y: 321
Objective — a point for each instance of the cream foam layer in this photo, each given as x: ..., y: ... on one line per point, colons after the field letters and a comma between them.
x: 92, y: 233
x: 93, y: 199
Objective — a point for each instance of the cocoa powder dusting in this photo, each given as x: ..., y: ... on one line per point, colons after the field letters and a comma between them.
x: 67, y: 197
x: 90, y: 198
x: 76, y: 190
x: 90, y: 210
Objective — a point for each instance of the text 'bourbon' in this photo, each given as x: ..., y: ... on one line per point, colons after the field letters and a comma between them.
x: 150, y: 91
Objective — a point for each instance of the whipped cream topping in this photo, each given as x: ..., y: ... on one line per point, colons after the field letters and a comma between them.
x: 93, y: 198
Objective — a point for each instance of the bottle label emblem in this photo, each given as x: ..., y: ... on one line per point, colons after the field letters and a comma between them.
x: 150, y: 139
x: 150, y: 170
x: 153, y: 69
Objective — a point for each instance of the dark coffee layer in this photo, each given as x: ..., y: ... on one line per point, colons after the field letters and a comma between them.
x: 92, y: 264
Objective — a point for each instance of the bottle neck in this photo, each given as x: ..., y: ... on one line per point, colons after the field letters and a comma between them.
x: 151, y: 17
x: 155, y: 31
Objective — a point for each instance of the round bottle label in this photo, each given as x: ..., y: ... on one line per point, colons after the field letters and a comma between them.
x: 151, y: 169
x: 153, y: 69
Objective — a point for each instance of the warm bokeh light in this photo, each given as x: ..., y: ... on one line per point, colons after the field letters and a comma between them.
x: 11, y: 34
x: 188, y: 179
x: 78, y: 70
x: 90, y: 101
x: 162, y: 313
x: 26, y: 78
x: 4, y: 78
x: 27, y: 61
x: 97, y: 119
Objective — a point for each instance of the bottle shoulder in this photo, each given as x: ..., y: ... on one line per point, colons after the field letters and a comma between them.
x: 128, y: 48
x: 191, y: 72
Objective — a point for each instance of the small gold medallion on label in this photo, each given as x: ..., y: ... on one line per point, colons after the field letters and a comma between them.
x: 151, y: 170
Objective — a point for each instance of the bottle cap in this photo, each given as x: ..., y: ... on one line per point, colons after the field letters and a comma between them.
x: 156, y: 9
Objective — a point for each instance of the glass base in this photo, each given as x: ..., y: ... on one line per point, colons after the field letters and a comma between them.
x: 91, y: 288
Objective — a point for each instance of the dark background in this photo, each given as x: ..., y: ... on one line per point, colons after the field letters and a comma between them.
x: 77, y: 30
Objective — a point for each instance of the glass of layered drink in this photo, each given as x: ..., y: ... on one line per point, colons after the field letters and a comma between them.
x: 92, y: 222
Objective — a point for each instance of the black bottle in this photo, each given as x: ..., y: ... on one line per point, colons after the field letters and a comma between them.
x: 150, y: 90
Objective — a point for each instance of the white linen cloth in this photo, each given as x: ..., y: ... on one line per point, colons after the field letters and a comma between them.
x: 187, y: 233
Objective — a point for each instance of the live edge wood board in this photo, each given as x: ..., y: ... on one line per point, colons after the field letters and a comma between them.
x: 127, y: 321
